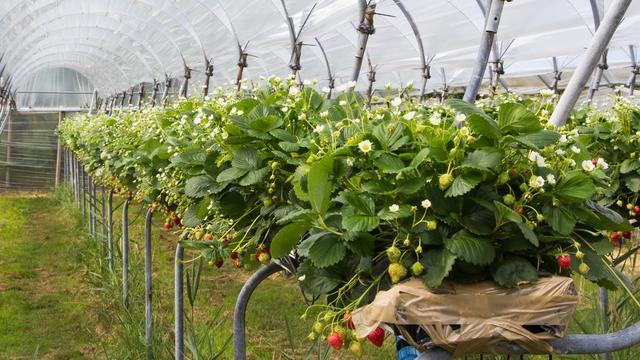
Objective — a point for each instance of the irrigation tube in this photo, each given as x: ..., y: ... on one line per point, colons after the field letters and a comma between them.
x: 178, y: 300
x: 239, y: 346
x: 492, y: 20
x: 110, y: 230
x: 598, y: 44
x: 125, y: 252
x: 147, y: 282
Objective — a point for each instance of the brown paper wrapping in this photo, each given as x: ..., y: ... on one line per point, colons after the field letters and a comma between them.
x: 489, y: 316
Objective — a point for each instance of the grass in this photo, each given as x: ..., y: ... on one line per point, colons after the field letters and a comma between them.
x: 58, y: 300
x: 43, y: 302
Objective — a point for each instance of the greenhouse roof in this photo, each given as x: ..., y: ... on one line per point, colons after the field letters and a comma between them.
x: 116, y: 44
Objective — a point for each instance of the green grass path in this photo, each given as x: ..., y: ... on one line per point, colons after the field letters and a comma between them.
x: 43, y: 300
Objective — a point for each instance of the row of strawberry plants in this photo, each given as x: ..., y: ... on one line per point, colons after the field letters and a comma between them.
x: 365, y: 197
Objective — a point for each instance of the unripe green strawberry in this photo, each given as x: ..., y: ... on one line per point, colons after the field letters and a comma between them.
x: 445, y: 180
x: 397, y: 272
x: 311, y: 336
x: 509, y: 199
x: 583, y: 268
x: 417, y: 268
x: 579, y: 255
x: 356, y: 349
x: 393, y: 253
x: 619, y: 203
x: 317, y: 327
x: 264, y: 258
x: 540, y: 217
x: 432, y: 225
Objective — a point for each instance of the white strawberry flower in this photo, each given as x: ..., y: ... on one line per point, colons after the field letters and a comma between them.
x: 460, y: 118
x: 426, y: 203
x: 563, y: 138
x: 551, y: 179
x: 587, y: 165
x: 575, y: 149
x: 349, y: 161
x: 396, y: 102
x: 560, y: 152
x: 365, y: 146
x: 435, y: 119
x: 318, y: 128
x: 601, y: 164
x: 394, y: 208
x: 410, y: 115
x: 294, y: 90
x: 536, y: 181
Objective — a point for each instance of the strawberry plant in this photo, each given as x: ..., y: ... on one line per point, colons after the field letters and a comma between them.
x: 363, y: 198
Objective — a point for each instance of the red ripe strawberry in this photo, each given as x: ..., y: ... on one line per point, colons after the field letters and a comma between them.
x: 265, y: 250
x: 514, y: 172
x: 176, y: 220
x: 594, y: 161
x: 166, y: 226
x: 335, y: 340
x: 626, y: 234
x: 346, y: 317
x: 615, y: 238
x: 637, y: 210
x: 258, y: 255
x: 376, y: 336
x: 207, y: 237
x: 564, y: 261
x: 234, y: 255
x: 219, y: 263
x: 237, y: 264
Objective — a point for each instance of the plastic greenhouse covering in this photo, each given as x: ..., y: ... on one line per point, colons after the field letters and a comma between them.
x: 116, y: 44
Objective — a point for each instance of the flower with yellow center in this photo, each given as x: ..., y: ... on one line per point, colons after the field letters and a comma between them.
x: 365, y: 146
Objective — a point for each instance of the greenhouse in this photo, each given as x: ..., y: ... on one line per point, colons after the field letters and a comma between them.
x: 319, y: 179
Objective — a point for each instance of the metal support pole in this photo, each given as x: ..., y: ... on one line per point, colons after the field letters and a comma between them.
x: 239, y: 345
x: 7, y: 173
x: 242, y: 64
x: 635, y: 70
x: 83, y: 191
x: 598, y: 44
x: 140, y: 95
x: 365, y: 29
x: 59, y: 153
x: 154, y: 92
x: 165, y: 93
x: 103, y: 213
x: 208, y: 73
x: 604, y: 305
x: 179, y: 302
x: 110, y: 229
x: 125, y: 253
x: 94, y: 211
x: 184, y: 89
x: 147, y: 283
x: 492, y: 20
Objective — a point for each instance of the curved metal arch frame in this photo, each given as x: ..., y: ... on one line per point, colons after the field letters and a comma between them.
x: 131, y: 33
x: 142, y: 39
x: 51, y: 49
x: 170, y: 14
x: 17, y: 57
x: 80, y: 66
x: 103, y: 60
